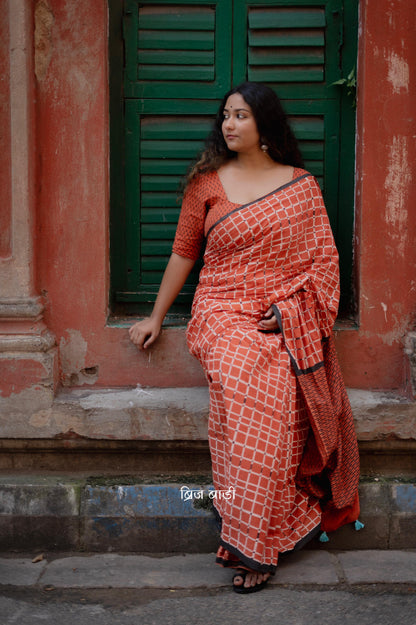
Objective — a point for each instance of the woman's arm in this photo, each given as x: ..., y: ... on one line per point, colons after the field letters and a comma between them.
x: 145, y: 332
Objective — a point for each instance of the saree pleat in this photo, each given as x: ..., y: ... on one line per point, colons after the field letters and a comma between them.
x: 281, y: 433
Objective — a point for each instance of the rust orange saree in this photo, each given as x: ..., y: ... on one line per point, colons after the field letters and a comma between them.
x: 280, y: 429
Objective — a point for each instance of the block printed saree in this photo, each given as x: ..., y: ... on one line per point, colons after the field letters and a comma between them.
x: 281, y: 432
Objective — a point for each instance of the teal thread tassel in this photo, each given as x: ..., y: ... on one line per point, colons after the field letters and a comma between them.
x: 324, y: 538
x: 358, y: 525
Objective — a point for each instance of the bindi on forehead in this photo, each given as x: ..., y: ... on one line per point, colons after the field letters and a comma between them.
x: 237, y: 107
x: 227, y: 108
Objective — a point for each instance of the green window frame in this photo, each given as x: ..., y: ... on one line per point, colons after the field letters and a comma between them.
x: 171, y: 61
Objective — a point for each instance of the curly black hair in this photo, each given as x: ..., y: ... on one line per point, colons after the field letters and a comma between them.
x: 272, y: 124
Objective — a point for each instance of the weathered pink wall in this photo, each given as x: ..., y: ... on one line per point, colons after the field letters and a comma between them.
x: 73, y: 242
x: 385, y: 236
x: 28, y: 374
x: 5, y: 191
x: 73, y: 205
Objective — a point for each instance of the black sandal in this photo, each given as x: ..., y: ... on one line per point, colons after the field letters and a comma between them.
x: 244, y: 590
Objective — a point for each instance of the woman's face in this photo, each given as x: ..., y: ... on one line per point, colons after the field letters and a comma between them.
x: 239, y: 126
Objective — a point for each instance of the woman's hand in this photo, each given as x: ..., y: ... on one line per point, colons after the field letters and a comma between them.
x: 145, y: 332
x: 269, y: 322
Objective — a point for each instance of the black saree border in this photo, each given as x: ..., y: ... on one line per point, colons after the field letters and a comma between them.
x: 243, y: 560
x: 297, y: 370
x: 255, y: 566
x: 241, y: 206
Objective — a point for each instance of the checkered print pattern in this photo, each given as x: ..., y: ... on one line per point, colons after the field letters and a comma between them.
x: 275, y: 436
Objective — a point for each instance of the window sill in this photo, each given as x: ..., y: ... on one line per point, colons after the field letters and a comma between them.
x: 178, y: 321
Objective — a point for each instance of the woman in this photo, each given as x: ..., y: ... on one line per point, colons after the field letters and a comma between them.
x: 280, y: 429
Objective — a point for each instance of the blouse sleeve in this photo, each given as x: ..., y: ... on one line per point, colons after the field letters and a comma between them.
x: 189, y: 235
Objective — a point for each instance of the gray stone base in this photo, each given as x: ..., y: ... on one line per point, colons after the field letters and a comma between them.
x: 55, y: 514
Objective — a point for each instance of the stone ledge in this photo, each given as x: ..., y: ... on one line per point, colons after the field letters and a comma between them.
x: 129, y: 431
x: 163, y: 414
x: 382, y: 416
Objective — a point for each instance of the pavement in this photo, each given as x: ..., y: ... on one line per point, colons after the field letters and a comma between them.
x: 363, y: 587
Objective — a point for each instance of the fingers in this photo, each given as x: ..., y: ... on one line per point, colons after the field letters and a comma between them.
x: 143, y: 334
x: 268, y: 325
x: 151, y: 339
x: 136, y: 339
x: 142, y: 341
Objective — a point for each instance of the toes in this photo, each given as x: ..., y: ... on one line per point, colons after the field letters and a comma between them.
x: 252, y: 579
x: 238, y: 580
x: 249, y: 579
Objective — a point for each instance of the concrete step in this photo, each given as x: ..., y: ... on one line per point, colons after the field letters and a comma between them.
x: 167, y: 514
x: 192, y: 571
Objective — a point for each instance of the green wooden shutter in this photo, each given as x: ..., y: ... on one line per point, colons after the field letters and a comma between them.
x: 176, y: 49
x: 294, y: 49
x: 177, y: 66
x: 168, y: 142
x: 180, y: 58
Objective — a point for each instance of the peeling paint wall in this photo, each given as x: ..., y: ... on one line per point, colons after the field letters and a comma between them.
x: 43, y: 38
x: 386, y: 196
x: 398, y: 72
x: 5, y: 155
x: 73, y: 359
x: 397, y: 186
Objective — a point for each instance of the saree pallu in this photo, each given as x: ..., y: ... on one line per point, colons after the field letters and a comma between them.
x: 280, y: 431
